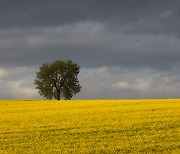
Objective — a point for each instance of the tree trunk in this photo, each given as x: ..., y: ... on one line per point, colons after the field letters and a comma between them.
x: 58, y: 95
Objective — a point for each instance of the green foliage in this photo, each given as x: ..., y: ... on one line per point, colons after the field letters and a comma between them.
x: 58, y: 79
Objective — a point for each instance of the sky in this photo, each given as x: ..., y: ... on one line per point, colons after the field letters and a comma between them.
x: 127, y: 49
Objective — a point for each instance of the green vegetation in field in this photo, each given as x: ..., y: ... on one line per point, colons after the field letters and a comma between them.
x: 95, y: 126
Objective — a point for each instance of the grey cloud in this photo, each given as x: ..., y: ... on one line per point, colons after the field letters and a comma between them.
x: 93, y: 33
x: 128, y: 84
x: 126, y: 48
x: 90, y: 45
x: 44, y: 13
x: 22, y: 89
x: 98, y: 83
x: 17, y: 83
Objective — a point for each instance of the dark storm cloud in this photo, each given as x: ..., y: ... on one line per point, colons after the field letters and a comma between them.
x: 129, y: 32
x: 24, y: 13
x: 126, y: 48
x: 90, y: 45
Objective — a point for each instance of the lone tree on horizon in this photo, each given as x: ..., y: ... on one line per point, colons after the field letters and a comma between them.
x: 58, y: 79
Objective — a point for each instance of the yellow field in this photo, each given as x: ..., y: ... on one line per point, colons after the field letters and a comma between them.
x: 94, y: 126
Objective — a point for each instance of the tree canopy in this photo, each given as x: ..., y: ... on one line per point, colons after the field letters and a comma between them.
x: 58, y: 80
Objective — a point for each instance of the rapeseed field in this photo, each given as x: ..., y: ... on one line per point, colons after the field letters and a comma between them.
x: 90, y: 126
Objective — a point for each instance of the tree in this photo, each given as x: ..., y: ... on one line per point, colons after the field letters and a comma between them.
x: 58, y: 79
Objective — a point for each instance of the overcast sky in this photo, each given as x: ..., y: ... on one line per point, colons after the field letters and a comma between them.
x: 127, y: 49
